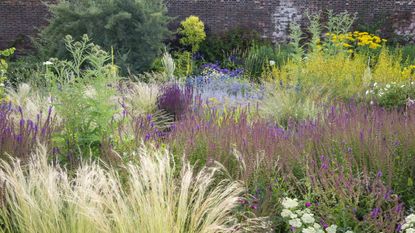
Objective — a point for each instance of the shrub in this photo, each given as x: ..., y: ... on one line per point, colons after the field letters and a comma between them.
x: 28, y: 69
x: 146, y: 198
x: 134, y: 28
x: 192, y: 32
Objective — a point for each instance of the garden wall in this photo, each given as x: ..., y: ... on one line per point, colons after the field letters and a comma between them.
x: 272, y: 17
x: 20, y: 18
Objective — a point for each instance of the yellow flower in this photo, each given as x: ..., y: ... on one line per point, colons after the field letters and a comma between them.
x: 373, y: 46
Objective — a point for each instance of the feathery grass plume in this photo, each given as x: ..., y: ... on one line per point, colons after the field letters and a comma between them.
x: 285, y: 104
x: 141, y: 98
x: 150, y: 197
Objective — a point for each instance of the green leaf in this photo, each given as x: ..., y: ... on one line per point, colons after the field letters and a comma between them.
x: 410, y: 182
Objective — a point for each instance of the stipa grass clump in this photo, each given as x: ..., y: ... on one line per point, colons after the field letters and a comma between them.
x: 148, y: 197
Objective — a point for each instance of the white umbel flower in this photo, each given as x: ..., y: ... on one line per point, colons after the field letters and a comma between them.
x: 289, y: 203
x: 331, y: 229
x: 296, y: 222
x: 308, y: 218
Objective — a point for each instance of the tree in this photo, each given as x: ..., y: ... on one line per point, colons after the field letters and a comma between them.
x: 135, y: 29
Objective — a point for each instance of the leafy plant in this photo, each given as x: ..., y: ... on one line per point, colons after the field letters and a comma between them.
x: 84, y: 88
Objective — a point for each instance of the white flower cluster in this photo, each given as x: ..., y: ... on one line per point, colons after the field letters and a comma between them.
x: 409, y: 225
x: 302, y: 219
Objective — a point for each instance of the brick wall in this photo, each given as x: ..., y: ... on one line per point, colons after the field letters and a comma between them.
x: 272, y: 17
x: 20, y: 18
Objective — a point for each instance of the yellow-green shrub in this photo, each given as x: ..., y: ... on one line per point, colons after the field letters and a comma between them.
x: 192, y: 32
x: 4, y: 67
x: 389, y: 68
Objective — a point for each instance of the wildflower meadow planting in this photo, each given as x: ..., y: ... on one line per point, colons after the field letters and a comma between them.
x: 103, y: 130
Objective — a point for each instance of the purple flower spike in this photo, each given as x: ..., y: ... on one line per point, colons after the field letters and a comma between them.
x: 375, y: 213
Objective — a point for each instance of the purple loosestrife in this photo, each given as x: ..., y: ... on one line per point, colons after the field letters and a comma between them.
x: 18, y: 137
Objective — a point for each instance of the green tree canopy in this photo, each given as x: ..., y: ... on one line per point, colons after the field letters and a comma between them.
x: 134, y: 28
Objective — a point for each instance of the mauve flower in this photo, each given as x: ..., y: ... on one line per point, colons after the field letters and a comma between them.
x: 375, y: 213
x: 399, y: 228
x: 147, y: 137
x: 307, y: 204
x: 379, y: 174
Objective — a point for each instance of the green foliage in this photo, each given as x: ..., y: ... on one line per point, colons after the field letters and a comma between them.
x: 408, y: 54
x: 134, y: 28
x: 4, y: 66
x: 259, y: 57
x: 27, y: 69
x: 339, y: 23
x: 295, y: 42
x: 84, y: 88
x: 229, y: 48
x: 315, y: 30
x: 184, y: 64
x: 192, y: 32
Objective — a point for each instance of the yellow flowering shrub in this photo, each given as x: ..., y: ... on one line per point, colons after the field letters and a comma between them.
x: 408, y: 72
x: 388, y: 68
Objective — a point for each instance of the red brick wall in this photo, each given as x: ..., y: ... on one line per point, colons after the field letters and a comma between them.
x: 20, y: 18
